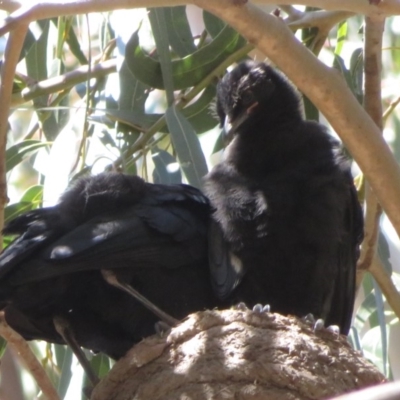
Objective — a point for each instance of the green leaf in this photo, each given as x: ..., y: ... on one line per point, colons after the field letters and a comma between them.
x: 340, y: 37
x: 30, y: 200
x: 219, y: 143
x: 338, y: 63
x: 3, y: 346
x: 160, y: 33
x: 100, y: 364
x: 64, y: 362
x: 198, y: 114
x: 34, y: 195
x: 188, y: 71
x: 74, y: 45
x: 13, y: 210
x: 187, y: 147
x: 133, y: 93
x: 29, y: 41
x: 213, y: 24
x: 17, y: 153
x: 36, y: 58
x: 380, y: 308
x: 357, y: 73
x: 165, y: 171
x: 311, y: 112
x: 384, y: 252
x: 179, y: 33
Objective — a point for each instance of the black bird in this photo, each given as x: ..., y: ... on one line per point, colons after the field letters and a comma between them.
x: 286, y: 231
x: 153, y: 236
x: 286, y: 212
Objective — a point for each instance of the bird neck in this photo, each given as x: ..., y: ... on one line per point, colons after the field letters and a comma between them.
x: 264, y: 149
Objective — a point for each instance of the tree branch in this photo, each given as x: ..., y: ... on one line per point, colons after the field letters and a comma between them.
x: 11, y: 55
x: 53, y: 8
x: 373, y: 106
x: 377, y: 270
x: 25, y: 354
x: 66, y: 81
x: 9, y: 5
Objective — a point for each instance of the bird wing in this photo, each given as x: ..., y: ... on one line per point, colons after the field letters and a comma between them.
x: 348, y: 253
x: 35, y: 232
x: 166, y: 227
x: 226, y: 271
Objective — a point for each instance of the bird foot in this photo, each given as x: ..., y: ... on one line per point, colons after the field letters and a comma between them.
x: 162, y: 328
x: 112, y: 279
x: 309, y: 319
x: 317, y: 324
x: 240, y: 306
x: 334, y: 329
x: 260, y: 309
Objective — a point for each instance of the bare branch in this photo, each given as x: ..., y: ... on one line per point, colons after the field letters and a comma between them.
x: 387, y: 7
x: 373, y: 106
x: 65, y: 81
x: 386, y: 284
x: 9, y: 5
x: 52, y: 8
x: 25, y: 354
x: 11, y: 55
x: 320, y: 19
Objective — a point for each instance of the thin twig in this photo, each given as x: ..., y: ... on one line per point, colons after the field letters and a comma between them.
x: 11, y: 55
x: 66, y: 81
x: 386, y: 284
x: 51, y: 8
x: 373, y: 105
x: 23, y: 351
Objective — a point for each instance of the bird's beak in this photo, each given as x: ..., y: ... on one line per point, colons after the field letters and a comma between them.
x: 232, y: 126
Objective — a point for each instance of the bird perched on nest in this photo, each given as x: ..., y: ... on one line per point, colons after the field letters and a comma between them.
x: 285, y: 230
x: 285, y: 206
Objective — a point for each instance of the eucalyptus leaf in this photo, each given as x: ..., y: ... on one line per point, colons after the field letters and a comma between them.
x: 160, y: 33
x: 341, y: 37
x: 339, y: 64
x: 198, y: 114
x: 179, y: 33
x: 64, y: 356
x: 14, y: 210
x: 34, y: 195
x: 380, y: 309
x: 3, y: 346
x: 213, y: 24
x: 357, y: 73
x: 166, y: 169
x: 17, y: 153
x: 187, y: 147
x: 188, y: 71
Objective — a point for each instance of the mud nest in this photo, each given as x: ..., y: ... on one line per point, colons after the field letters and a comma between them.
x: 239, y: 355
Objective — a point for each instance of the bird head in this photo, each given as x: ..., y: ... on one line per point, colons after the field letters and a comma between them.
x: 250, y: 92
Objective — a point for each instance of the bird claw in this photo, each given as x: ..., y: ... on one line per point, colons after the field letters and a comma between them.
x: 318, y: 325
x: 161, y: 328
x: 241, y: 306
x: 309, y: 319
x: 334, y: 329
x: 259, y: 308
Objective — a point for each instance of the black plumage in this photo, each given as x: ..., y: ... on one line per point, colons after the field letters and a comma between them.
x: 153, y: 236
x: 285, y: 205
x: 285, y: 231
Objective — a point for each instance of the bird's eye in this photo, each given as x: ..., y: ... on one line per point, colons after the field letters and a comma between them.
x: 247, y: 98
